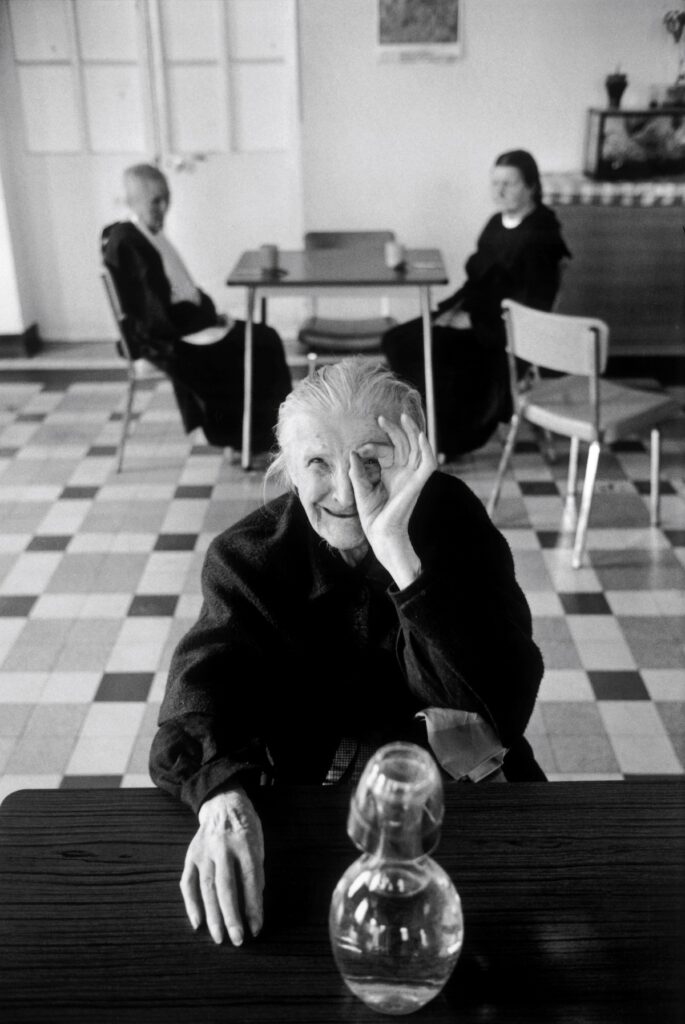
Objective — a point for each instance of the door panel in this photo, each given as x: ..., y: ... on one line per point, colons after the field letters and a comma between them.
x: 206, y: 88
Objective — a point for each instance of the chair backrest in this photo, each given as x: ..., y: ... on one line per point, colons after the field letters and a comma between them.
x: 576, y: 345
x: 118, y: 313
x: 568, y: 344
x: 347, y: 239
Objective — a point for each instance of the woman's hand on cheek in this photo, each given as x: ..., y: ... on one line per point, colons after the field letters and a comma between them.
x: 385, y: 507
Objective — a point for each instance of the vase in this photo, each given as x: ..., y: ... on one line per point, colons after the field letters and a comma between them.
x: 615, y: 87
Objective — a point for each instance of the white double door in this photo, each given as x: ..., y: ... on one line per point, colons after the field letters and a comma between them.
x: 205, y: 88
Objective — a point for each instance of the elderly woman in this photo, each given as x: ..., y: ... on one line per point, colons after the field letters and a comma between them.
x: 373, y: 601
x: 518, y: 256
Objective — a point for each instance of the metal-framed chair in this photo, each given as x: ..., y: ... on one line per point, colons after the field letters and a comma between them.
x: 138, y: 371
x: 578, y: 405
x: 335, y: 337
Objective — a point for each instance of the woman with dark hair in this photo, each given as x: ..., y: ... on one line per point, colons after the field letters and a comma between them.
x: 518, y: 256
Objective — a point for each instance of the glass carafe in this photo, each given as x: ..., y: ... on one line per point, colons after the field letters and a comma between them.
x: 395, y: 920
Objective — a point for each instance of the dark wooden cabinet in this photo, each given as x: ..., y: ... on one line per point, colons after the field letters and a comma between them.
x: 628, y: 265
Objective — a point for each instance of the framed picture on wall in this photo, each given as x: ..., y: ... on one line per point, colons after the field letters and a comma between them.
x: 411, y: 30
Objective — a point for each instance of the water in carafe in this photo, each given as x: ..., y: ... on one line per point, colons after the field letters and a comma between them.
x: 395, y: 921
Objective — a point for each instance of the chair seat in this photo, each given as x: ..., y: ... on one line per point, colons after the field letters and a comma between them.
x: 323, y: 334
x: 563, y: 406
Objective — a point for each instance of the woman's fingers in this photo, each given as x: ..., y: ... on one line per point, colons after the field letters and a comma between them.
x: 213, y: 916
x: 412, y: 432
x: 427, y: 452
x: 190, y: 890
x: 399, y: 439
x: 226, y: 891
x: 252, y: 873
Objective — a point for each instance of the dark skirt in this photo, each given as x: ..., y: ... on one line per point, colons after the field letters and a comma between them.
x: 471, y: 381
x: 208, y: 382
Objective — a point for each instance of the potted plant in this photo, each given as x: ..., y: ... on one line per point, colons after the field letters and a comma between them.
x: 675, y: 26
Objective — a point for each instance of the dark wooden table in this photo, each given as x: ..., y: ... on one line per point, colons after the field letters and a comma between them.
x: 573, y: 898
x: 307, y: 271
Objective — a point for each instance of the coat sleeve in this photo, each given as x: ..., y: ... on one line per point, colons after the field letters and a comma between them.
x: 210, y: 722
x: 465, y: 626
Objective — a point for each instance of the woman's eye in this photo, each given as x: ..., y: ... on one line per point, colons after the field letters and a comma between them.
x: 372, y: 469
x: 316, y: 460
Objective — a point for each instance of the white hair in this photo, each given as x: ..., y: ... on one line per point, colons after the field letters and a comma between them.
x: 352, y: 387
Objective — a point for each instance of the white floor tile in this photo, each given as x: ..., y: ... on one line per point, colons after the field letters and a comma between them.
x: 645, y: 755
x: 165, y: 572
x: 22, y: 687
x: 600, y: 656
x: 139, y: 645
x: 664, y: 684
x: 31, y: 573
x: 543, y: 603
x: 64, y: 517
x: 565, y: 685
x: 136, y: 782
x: 70, y: 687
x: 58, y: 606
x: 631, y: 718
x: 98, y: 755
x: 632, y: 602
x: 13, y: 783
x: 113, y: 718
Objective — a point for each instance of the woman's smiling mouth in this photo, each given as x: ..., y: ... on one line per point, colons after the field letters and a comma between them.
x: 340, y: 515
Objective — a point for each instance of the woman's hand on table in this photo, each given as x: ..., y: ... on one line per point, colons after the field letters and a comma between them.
x: 385, y: 505
x: 223, y: 876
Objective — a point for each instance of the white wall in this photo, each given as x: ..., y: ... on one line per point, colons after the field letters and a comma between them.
x: 409, y: 146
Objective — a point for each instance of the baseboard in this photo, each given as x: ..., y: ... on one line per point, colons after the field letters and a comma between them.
x: 28, y: 343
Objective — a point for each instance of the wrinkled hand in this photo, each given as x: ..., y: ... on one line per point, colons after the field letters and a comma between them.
x: 223, y: 876
x: 385, y: 505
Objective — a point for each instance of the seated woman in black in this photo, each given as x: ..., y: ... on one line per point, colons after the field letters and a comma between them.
x: 517, y: 257
x: 373, y: 601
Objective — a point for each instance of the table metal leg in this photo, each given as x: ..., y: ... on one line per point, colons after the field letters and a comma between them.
x: 247, y: 381
x: 425, y: 295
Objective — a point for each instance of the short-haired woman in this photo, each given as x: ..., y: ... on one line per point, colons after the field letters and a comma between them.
x: 373, y: 601
x: 518, y: 256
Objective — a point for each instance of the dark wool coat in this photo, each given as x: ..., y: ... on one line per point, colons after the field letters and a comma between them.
x: 294, y: 650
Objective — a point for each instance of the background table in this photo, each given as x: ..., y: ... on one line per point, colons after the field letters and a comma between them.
x: 340, y: 269
x: 573, y: 898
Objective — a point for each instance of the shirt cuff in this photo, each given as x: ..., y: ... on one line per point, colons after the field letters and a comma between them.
x: 463, y: 743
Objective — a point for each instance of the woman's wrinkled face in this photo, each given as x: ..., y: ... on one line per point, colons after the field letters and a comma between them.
x: 317, y: 452
x: 509, y: 190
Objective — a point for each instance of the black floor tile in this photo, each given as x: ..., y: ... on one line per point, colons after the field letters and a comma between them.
x: 49, y: 542
x: 91, y: 782
x: 538, y: 488
x: 581, y: 603
x: 193, y: 491
x: 116, y: 686
x: 153, y: 604
x: 176, y: 542
x: 620, y: 685
x: 71, y: 492
x: 102, y: 449
x: 644, y: 487
x: 16, y: 606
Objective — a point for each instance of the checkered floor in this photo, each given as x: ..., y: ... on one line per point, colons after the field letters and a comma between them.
x: 99, y: 577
